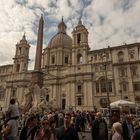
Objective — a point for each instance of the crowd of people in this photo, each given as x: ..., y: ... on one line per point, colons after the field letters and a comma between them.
x: 60, y: 125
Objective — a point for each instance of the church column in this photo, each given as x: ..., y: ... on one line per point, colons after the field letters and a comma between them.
x: 73, y: 91
x: 85, y: 95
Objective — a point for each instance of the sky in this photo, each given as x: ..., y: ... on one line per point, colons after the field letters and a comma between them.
x: 109, y: 22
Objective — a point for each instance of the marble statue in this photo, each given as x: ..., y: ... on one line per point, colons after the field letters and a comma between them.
x: 35, y: 99
x: 36, y: 95
x: 28, y: 98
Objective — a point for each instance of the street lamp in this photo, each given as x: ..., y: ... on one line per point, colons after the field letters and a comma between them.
x: 106, y: 80
x: 130, y: 52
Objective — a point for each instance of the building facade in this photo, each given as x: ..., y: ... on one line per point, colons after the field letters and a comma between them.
x: 72, y: 74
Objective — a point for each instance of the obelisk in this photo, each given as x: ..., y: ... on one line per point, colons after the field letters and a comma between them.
x: 37, y: 75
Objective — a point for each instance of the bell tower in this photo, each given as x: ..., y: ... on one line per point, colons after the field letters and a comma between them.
x: 22, y: 56
x: 80, y: 44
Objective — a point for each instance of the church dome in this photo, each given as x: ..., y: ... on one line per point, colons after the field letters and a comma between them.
x: 61, y: 39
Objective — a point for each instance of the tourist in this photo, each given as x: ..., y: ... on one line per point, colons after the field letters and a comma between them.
x: 31, y: 128
x: 77, y: 123
x: 45, y: 132
x: 113, y: 119
x: 128, y: 128
x: 10, y: 131
x: 23, y: 134
x: 99, y: 129
x: 60, y: 119
x: 13, y: 111
x: 137, y: 131
x: 67, y: 131
x: 117, y: 131
x: 83, y: 121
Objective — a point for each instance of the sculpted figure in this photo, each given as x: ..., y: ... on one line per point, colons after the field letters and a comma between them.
x: 36, y: 95
x: 52, y: 103
x: 28, y: 98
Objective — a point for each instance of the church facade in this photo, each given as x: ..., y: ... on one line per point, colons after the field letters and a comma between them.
x: 75, y: 76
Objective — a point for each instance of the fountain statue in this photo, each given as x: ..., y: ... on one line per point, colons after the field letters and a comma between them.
x: 27, y: 100
x: 35, y: 99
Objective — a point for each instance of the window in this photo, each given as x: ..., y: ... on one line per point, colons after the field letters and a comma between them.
x: 103, y: 85
x: 1, y: 93
x: 97, y: 87
x: 66, y: 59
x: 13, y: 94
x: 78, y: 38
x: 79, y: 59
x: 18, y: 68
x: 134, y: 71
x: 110, y: 86
x: 123, y: 72
x: 120, y: 56
x: 79, y: 101
x: 47, y: 97
x: 136, y: 86
x: 79, y: 89
x: 79, y: 68
x: 19, y: 50
x: 124, y: 87
x: 131, y: 53
x: 53, y: 59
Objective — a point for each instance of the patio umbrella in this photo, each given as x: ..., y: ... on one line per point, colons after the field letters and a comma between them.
x: 121, y: 103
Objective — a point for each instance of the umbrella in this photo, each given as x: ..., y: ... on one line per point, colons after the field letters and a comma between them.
x: 121, y: 103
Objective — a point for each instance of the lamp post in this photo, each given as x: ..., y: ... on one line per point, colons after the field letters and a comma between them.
x: 106, y: 80
x: 131, y: 73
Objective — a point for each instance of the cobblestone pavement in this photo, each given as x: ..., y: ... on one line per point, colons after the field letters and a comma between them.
x: 82, y: 135
x: 85, y: 135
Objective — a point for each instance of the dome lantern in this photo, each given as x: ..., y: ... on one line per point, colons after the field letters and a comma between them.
x: 62, y: 27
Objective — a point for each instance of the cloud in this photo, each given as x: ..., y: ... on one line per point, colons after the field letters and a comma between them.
x: 109, y: 22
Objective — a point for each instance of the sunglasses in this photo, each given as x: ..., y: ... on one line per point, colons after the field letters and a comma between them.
x: 45, y: 123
